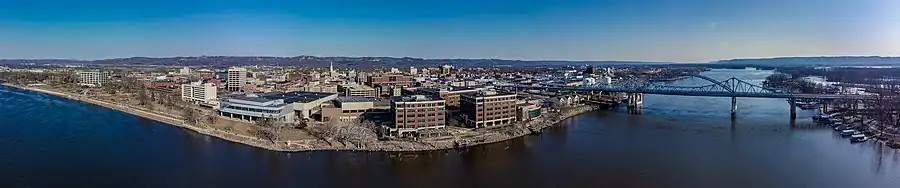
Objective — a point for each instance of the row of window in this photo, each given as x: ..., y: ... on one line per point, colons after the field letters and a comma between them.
x: 253, y: 109
x: 420, y: 125
x: 400, y: 116
x: 423, y: 120
x: 400, y: 105
x: 496, y: 99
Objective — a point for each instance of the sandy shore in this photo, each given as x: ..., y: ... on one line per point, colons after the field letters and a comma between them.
x: 316, y: 144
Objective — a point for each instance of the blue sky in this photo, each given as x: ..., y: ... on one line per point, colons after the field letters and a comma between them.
x: 660, y: 30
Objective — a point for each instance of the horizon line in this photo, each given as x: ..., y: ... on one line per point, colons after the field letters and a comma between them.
x: 271, y: 56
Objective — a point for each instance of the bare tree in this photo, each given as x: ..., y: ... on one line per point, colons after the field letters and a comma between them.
x: 143, y: 98
x: 211, y: 118
x: 270, y: 129
x: 189, y: 116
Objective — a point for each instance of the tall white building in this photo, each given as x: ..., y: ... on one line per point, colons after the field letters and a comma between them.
x: 198, y: 92
x: 185, y: 71
x: 413, y: 70
x: 446, y: 69
x: 93, y: 78
x: 237, y: 76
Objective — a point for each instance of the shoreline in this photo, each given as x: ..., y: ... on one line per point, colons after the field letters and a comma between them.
x: 317, y: 144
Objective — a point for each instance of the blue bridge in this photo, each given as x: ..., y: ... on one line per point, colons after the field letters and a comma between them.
x: 732, y: 87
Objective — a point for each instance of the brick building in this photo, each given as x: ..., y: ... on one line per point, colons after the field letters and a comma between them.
x: 488, y: 108
x: 415, y: 113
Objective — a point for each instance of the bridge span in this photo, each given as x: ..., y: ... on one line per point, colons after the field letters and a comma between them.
x: 733, y: 87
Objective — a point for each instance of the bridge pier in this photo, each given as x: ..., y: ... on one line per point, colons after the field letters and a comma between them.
x: 793, y: 103
x: 733, y: 107
x: 635, y: 101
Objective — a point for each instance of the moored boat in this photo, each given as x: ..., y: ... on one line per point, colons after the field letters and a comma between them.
x: 850, y: 132
x: 858, y: 138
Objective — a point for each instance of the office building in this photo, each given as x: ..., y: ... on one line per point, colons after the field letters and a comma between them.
x: 415, y: 113
x: 186, y: 71
x: 392, y: 80
x: 449, y: 93
x: 199, y: 92
x: 93, y: 78
x: 237, y: 77
x: 446, y: 69
x: 356, y: 90
x: 488, y: 108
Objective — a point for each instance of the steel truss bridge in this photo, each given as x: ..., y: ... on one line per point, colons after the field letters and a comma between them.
x: 732, y: 87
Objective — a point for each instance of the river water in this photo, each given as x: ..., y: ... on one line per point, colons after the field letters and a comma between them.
x: 678, y: 141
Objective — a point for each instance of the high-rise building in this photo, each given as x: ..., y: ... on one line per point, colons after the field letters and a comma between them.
x: 237, y: 76
x: 415, y: 113
x: 446, y: 69
x: 199, y: 92
x: 186, y: 71
x: 488, y: 108
x: 413, y: 71
x: 93, y: 78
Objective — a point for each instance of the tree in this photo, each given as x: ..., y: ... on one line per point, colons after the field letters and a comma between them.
x: 211, y: 118
x: 270, y: 129
x: 143, y: 98
x: 189, y: 116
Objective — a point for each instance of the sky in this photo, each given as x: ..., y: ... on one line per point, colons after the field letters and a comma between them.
x: 629, y: 30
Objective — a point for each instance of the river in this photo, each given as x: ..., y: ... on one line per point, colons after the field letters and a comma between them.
x: 678, y: 141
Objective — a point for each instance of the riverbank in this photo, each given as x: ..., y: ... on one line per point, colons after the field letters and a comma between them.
x: 479, y: 137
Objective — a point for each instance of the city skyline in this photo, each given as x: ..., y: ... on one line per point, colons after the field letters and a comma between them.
x: 670, y: 31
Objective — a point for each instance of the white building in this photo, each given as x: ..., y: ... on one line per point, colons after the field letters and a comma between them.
x: 395, y: 70
x: 606, y: 80
x: 93, y: 78
x: 186, y: 71
x: 198, y: 92
x: 413, y: 70
x: 279, y: 106
x: 237, y: 76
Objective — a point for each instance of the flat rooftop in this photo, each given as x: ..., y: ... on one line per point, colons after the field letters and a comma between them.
x: 486, y: 94
x: 445, y: 88
x: 296, y: 96
x: 415, y: 98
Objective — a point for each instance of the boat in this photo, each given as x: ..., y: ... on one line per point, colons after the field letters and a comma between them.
x: 821, y: 117
x: 849, y: 132
x: 839, y: 128
x: 858, y: 138
x: 837, y: 124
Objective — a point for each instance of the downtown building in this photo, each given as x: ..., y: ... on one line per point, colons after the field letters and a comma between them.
x: 199, y: 93
x: 278, y: 106
x: 416, y: 113
x: 357, y: 90
x: 92, y: 78
x: 237, y: 77
x: 449, y: 93
x: 487, y: 109
x: 390, y: 80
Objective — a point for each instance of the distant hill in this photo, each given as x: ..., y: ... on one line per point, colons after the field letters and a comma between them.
x: 313, y: 61
x: 810, y: 61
